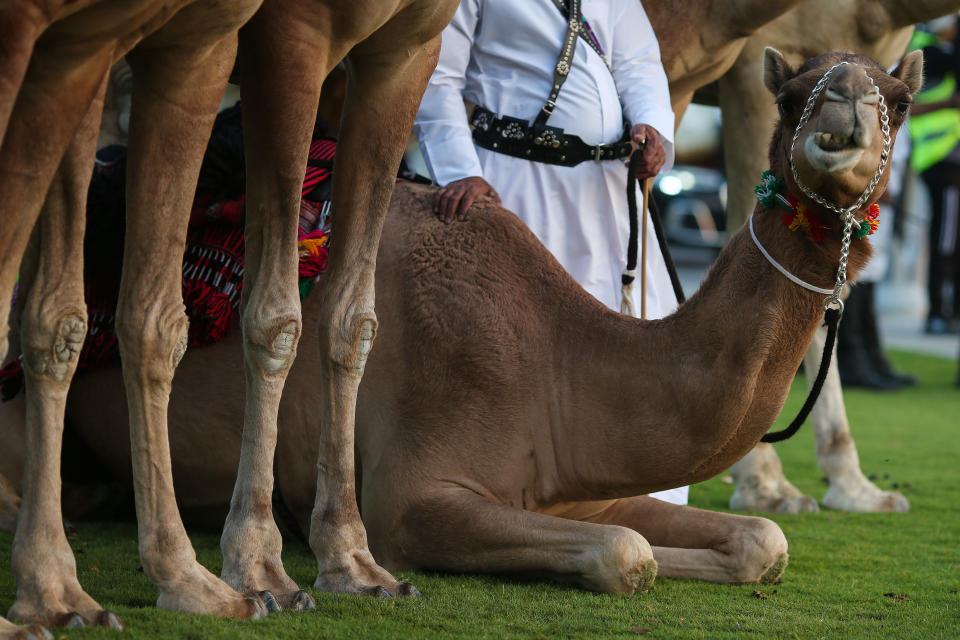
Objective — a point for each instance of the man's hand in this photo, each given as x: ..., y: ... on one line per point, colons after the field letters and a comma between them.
x: 454, y: 199
x: 651, y: 150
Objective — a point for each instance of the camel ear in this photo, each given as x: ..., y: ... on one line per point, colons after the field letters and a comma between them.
x: 776, y: 70
x: 910, y: 71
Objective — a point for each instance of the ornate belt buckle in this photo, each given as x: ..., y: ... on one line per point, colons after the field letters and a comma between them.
x: 598, y: 152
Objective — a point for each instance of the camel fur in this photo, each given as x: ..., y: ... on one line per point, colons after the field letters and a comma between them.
x: 53, y: 69
x: 509, y: 422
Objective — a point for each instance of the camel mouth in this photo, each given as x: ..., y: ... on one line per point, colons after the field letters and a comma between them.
x: 832, y: 153
x: 833, y: 141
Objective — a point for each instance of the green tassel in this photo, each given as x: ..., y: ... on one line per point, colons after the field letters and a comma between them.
x: 768, y: 189
x: 306, y: 286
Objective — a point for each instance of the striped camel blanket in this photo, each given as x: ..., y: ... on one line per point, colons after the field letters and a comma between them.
x: 213, y: 260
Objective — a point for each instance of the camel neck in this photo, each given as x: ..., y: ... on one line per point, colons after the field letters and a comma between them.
x: 695, y: 390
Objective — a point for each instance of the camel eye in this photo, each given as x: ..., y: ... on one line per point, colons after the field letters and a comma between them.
x: 902, y: 107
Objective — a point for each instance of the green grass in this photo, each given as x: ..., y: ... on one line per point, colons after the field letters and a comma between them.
x: 841, y: 565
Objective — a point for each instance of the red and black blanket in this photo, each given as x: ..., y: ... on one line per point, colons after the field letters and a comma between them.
x: 213, y: 260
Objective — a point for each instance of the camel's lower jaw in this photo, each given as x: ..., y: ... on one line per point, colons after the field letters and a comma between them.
x: 833, y: 161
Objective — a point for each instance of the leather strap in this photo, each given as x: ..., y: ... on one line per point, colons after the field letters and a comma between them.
x: 585, y: 31
x: 562, y: 68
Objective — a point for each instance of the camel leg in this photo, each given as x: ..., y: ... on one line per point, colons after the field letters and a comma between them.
x: 836, y: 452
x: 9, y: 505
x: 748, y: 115
x: 177, y: 88
x: 20, y: 24
x: 759, y: 485
x: 10, y: 631
x: 459, y: 530
x: 53, y: 327
x: 48, y: 591
x: 383, y: 91
x: 13, y: 429
x: 53, y: 99
x: 277, y: 136
x: 694, y: 543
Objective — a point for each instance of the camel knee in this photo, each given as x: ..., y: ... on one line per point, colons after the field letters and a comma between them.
x: 270, y: 344
x: 758, y: 551
x: 351, y: 339
x: 624, y: 563
x: 152, y: 340
x: 837, y: 442
x: 52, y: 340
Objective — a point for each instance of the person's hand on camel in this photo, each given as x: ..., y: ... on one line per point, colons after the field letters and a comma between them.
x: 648, y: 144
x: 453, y: 200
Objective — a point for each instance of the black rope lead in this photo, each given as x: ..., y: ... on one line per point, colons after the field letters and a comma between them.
x: 665, y: 250
x: 832, y: 320
x: 657, y: 228
x: 627, y: 278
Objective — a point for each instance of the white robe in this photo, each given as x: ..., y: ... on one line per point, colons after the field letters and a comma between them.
x: 500, y: 54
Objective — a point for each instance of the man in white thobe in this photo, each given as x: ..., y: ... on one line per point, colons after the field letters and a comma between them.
x: 500, y: 55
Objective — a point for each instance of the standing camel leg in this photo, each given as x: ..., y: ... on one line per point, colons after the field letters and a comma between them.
x: 179, y: 77
x: 54, y: 324
x: 277, y: 136
x: 836, y: 452
x: 693, y: 543
x: 759, y: 483
x: 387, y: 75
x: 21, y: 23
x: 52, y: 100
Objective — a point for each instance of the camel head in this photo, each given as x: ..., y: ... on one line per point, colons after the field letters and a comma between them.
x: 841, y: 147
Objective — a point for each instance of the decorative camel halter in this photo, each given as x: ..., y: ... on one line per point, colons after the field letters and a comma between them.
x: 833, y: 305
x: 847, y: 214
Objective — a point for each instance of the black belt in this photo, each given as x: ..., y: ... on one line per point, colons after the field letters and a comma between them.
x: 515, y: 137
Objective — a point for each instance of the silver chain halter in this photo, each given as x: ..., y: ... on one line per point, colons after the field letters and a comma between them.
x: 846, y: 213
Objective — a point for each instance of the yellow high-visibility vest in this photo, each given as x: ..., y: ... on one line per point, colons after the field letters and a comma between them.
x: 935, y: 134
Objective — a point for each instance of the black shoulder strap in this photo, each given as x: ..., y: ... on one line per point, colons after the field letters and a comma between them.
x: 583, y: 30
x: 562, y: 69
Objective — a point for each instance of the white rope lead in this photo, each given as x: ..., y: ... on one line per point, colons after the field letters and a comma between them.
x: 779, y: 267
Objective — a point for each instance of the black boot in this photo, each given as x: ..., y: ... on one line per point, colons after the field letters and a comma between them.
x: 853, y: 363
x: 871, y: 340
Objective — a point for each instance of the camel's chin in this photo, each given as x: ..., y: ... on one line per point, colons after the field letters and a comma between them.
x: 834, y: 161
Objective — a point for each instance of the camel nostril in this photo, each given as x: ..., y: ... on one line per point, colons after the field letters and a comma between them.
x: 862, y: 138
x: 834, y: 96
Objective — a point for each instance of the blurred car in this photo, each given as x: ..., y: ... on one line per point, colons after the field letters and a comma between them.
x: 692, y: 203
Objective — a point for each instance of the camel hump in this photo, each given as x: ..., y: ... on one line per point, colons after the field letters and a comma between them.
x: 487, y: 277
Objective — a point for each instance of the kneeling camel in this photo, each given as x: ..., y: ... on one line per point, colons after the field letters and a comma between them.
x: 508, y: 422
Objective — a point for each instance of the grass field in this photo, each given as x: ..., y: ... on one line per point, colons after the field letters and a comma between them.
x: 850, y: 576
